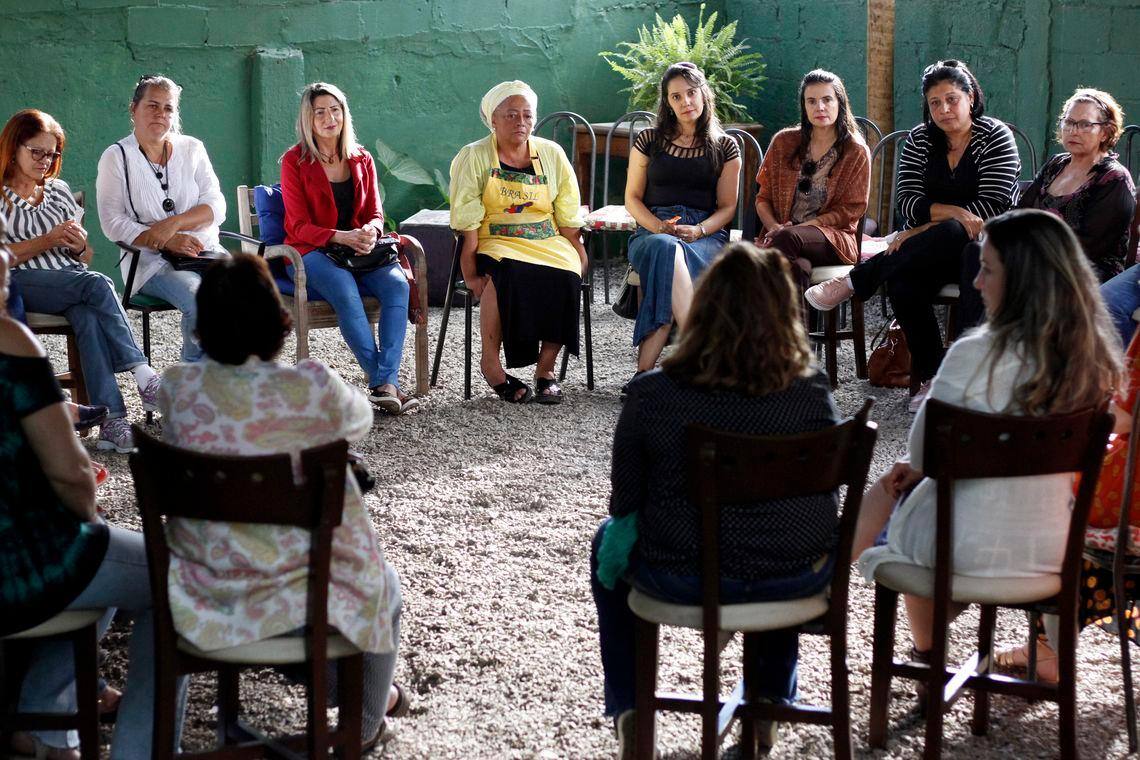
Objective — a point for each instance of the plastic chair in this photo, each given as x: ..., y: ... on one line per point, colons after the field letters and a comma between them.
x: 78, y: 627
x: 961, y: 444
x: 173, y: 482
x: 610, y: 219
x: 732, y: 468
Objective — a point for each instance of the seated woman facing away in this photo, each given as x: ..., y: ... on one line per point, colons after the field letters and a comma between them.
x: 957, y: 169
x: 329, y: 186
x: 1087, y: 186
x: 49, y: 246
x: 681, y: 189
x: 814, y: 181
x: 56, y: 554
x: 742, y: 365
x: 515, y: 201
x: 157, y: 190
x: 1046, y: 347
x: 239, y: 401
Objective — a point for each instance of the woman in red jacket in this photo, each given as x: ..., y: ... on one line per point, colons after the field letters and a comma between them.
x: 328, y: 183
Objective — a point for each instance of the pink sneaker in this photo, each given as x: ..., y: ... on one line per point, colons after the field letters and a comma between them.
x: 827, y: 295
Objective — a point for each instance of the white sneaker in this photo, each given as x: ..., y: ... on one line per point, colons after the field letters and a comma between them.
x: 828, y: 294
x: 626, y: 727
x: 115, y: 435
x: 149, y: 394
x: 919, y: 396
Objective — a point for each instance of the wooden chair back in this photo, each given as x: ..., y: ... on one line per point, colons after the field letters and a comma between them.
x: 733, y: 468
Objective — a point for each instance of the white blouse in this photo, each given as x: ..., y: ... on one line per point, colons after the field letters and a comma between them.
x: 1003, y: 527
x: 190, y: 182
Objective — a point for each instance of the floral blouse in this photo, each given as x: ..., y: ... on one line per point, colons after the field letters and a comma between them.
x: 231, y: 583
x: 1098, y: 211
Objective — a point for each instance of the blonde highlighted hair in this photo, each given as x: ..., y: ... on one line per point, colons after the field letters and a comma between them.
x: 1110, y: 112
x: 346, y: 144
x: 1052, y: 312
x: 744, y: 332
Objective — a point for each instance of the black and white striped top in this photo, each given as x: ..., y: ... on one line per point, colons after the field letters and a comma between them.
x: 26, y: 221
x: 994, y: 154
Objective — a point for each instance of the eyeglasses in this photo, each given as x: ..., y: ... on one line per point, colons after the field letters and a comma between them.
x: 807, y: 171
x: 39, y: 155
x: 1080, y: 127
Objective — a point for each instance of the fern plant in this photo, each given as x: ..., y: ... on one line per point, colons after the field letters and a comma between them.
x: 733, y: 73
x: 406, y: 169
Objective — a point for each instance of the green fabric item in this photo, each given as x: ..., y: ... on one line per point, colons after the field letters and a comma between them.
x: 615, y: 549
x: 149, y: 302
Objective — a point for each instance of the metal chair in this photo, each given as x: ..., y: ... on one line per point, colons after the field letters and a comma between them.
x: 962, y: 444
x: 871, y: 132
x: 317, y: 314
x: 456, y: 286
x: 610, y: 219
x: 732, y: 468
x: 1126, y: 138
x: 78, y: 627
x: 1019, y: 134
x: 176, y: 483
x: 747, y: 223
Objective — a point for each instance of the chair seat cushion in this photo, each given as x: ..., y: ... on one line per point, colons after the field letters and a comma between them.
x: 823, y: 274
x: 753, y: 616
x: 279, y: 650
x: 65, y: 622
x: 1136, y: 316
x: 150, y: 303
x: 918, y: 580
x: 613, y: 218
x: 39, y: 321
x: 949, y: 291
x: 270, y: 207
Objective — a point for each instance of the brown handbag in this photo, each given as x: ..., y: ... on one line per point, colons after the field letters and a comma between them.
x: 889, y: 363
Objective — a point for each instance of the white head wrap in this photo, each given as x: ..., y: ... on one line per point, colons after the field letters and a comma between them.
x: 500, y: 92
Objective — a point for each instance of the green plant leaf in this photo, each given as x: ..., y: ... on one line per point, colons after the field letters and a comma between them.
x: 402, y: 167
x: 441, y: 184
x: 380, y: 191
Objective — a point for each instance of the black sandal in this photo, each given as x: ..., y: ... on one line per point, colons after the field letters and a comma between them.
x: 544, y: 384
x: 508, y: 389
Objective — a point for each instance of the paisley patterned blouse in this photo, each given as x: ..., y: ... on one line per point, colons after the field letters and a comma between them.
x: 232, y: 584
x: 1098, y: 211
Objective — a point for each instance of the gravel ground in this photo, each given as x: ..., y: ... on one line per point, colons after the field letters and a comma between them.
x: 487, y: 511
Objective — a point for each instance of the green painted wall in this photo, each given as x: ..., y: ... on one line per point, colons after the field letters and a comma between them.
x: 1028, y: 55
x: 796, y: 36
x: 414, y: 71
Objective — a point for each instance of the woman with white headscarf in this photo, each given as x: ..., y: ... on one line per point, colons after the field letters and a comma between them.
x: 515, y: 201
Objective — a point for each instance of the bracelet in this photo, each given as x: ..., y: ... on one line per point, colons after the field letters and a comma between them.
x: 701, y: 227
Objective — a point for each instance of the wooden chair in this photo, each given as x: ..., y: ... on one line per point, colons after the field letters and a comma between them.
x: 457, y: 287
x: 610, y: 219
x: 57, y: 324
x: 176, y: 483
x: 317, y: 314
x: 961, y: 444
x: 78, y: 627
x: 733, y: 468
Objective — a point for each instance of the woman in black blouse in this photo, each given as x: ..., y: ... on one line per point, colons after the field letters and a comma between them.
x: 743, y: 364
x: 957, y: 169
x: 1087, y: 186
x: 681, y: 189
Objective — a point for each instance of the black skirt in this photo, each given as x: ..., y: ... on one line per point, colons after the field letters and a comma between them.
x: 536, y: 304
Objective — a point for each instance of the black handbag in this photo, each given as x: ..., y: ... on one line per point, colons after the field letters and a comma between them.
x: 199, y: 263
x: 384, y: 253
x: 626, y: 303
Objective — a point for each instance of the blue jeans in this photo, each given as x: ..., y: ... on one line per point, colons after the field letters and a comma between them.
x: 16, y: 302
x: 775, y: 677
x: 120, y: 582
x: 180, y: 290
x: 652, y: 255
x: 1121, y: 296
x: 379, y: 357
x: 87, y: 299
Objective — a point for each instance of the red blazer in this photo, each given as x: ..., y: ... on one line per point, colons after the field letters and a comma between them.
x: 310, y: 211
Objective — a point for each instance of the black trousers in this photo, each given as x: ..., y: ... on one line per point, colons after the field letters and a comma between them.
x: 913, y: 275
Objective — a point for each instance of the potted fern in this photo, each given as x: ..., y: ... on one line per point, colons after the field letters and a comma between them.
x: 732, y: 71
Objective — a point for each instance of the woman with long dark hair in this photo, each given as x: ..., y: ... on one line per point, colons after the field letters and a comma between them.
x: 958, y: 168
x: 814, y: 181
x: 681, y: 189
x: 743, y: 364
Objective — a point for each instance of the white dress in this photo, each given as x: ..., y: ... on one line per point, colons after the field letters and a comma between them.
x: 1003, y: 527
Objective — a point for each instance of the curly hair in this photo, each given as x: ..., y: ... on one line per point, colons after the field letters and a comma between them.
x: 745, y: 332
x: 1051, y: 310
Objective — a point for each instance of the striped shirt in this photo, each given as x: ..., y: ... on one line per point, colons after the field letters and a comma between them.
x: 26, y: 221
x: 994, y: 153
